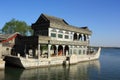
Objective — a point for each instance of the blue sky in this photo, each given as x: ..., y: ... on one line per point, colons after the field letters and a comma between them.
x: 101, y: 16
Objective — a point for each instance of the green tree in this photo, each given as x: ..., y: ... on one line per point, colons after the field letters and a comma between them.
x: 17, y: 26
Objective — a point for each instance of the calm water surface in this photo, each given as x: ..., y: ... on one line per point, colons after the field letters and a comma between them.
x: 106, y: 68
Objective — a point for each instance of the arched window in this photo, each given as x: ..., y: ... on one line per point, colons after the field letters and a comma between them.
x: 66, y: 50
x: 85, y: 37
x: 53, y: 50
x: 60, y: 50
x: 80, y: 37
x: 75, y: 36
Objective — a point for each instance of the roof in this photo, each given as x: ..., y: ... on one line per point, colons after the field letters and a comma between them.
x: 55, y: 20
x: 6, y: 36
x: 60, y: 23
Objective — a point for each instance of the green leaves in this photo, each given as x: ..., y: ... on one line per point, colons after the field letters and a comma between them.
x: 17, y: 26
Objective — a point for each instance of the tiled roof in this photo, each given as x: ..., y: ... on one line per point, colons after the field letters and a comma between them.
x: 60, y: 23
x: 6, y: 36
x: 55, y: 20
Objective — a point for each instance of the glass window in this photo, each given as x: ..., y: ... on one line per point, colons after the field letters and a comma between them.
x: 53, y: 35
x: 66, y: 37
x: 60, y: 36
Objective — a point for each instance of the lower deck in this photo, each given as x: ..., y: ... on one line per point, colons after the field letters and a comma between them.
x: 26, y: 62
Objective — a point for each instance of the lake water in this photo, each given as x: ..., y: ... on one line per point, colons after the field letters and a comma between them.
x: 106, y: 68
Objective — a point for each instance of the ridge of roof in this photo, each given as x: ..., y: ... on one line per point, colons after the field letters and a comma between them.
x: 60, y: 23
x: 6, y: 36
x: 49, y: 17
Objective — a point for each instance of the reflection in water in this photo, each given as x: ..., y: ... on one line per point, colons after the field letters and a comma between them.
x: 12, y: 73
x: 73, y: 72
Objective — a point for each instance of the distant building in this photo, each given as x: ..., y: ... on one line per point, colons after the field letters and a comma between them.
x: 7, y: 41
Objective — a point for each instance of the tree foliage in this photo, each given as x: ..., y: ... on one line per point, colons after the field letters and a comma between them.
x: 16, y: 26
